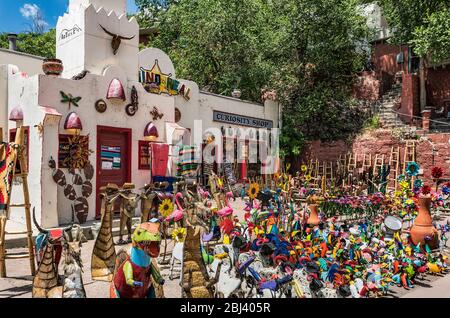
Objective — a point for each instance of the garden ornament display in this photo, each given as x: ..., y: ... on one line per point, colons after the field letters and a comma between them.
x: 116, y: 39
x: 129, y: 202
x: 135, y: 274
x: 104, y: 253
x: 49, y: 246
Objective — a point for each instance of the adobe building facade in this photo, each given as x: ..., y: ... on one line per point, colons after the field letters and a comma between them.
x: 59, y: 111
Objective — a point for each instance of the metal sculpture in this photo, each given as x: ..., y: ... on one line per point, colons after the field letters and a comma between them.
x: 133, y: 107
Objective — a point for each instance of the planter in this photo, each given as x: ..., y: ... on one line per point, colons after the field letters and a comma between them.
x: 313, y: 219
x: 52, y: 67
x: 423, y: 230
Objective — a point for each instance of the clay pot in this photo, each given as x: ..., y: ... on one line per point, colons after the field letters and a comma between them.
x: 313, y: 219
x: 52, y: 67
x: 423, y: 226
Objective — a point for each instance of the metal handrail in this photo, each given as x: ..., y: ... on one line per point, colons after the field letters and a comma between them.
x: 397, y: 119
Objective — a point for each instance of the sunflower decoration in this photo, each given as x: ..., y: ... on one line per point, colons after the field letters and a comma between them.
x: 404, y: 185
x: 179, y: 234
x: 304, y: 168
x: 308, y: 178
x: 219, y: 183
x: 166, y: 207
x: 253, y: 191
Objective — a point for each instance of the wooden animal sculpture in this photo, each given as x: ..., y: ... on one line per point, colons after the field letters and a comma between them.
x: 116, y: 39
x: 72, y: 265
x: 104, y: 253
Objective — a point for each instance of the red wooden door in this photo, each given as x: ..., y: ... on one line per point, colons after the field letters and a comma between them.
x: 113, y: 158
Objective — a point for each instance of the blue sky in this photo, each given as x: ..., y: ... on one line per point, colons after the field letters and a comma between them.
x: 15, y: 15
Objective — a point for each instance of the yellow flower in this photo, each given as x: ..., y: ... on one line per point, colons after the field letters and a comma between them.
x: 304, y: 168
x: 308, y: 177
x: 409, y: 201
x: 219, y: 182
x: 179, y: 234
x: 398, y: 193
x: 404, y: 184
x: 166, y: 207
x: 253, y: 191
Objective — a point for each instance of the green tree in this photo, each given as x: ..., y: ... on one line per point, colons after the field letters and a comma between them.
x: 423, y: 24
x: 306, y: 50
x: 33, y: 43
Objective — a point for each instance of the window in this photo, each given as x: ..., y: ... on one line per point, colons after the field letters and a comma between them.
x: 144, y: 155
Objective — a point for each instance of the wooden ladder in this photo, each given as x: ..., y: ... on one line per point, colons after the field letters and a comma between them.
x: 367, y: 162
x: 378, y: 163
x: 352, y: 162
x: 19, y: 158
x: 410, y: 153
x: 394, y: 163
x: 328, y: 170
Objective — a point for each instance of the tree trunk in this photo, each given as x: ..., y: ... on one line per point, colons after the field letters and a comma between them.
x: 423, y: 92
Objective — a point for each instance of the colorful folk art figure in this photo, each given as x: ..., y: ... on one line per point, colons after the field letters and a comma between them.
x: 135, y: 274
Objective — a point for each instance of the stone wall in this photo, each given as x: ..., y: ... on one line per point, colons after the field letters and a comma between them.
x: 380, y: 142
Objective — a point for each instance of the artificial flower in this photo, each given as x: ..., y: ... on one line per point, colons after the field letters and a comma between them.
x: 253, y: 190
x: 437, y: 172
x: 426, y: 189
x: 308, y: 177
x: 304, y: 168
x: 166, y: 207
x: 401, y: 177
x: 418, y: 183
x: 412, y: 169
x: 179, y: 234
x: 445, y: 190
x: 404, y: 184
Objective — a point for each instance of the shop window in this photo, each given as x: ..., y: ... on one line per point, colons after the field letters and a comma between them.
x: 144, y: 155
x: 26, y: 142
x: 69, y: 148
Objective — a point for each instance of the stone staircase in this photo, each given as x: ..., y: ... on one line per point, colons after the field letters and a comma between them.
x: 387, y: 107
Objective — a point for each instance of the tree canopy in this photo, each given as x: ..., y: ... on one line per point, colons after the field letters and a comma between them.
x: 40, y: 44
x: 423, y: 24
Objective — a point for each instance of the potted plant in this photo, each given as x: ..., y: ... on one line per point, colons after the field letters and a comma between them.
x: 52, y: 66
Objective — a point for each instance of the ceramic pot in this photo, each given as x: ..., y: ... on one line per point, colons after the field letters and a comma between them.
x: 52, y: 67
x: 313, y: 219
x: 236, y: 93
x: 423, y: 226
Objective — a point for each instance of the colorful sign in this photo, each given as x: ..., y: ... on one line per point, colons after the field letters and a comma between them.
x: 157, y: 82
x: 241, y: 120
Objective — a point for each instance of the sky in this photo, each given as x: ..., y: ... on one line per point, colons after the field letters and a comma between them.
x: 16, y: 15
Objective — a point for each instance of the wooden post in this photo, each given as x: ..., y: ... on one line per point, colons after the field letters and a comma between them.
x: 1, y: 134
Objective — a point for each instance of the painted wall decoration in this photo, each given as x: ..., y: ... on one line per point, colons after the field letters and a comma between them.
x: 156, y: 113
x: 68, y: 98
x: 101, y: 106
x: 156, y: 82
x: 73, y: 151
x: 66, y: 33
x: 80, y: 204
x: 133, y: 107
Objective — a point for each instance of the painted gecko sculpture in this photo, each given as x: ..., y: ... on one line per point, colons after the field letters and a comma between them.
x: 135, y: 274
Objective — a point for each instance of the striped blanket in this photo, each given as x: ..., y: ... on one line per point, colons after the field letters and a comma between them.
x: 8, y: 154
x: 187, y: 164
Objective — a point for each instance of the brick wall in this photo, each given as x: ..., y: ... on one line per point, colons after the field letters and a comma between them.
x: 380, y: 142
x: 384, y: 59
x: 438, y: 86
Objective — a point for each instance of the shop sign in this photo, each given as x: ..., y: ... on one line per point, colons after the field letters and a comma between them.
x: 65, y: 33
x: 157, y: 82
x: 241, y: 120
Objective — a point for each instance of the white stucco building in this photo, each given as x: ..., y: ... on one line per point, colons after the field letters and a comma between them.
x: 48, y: 105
